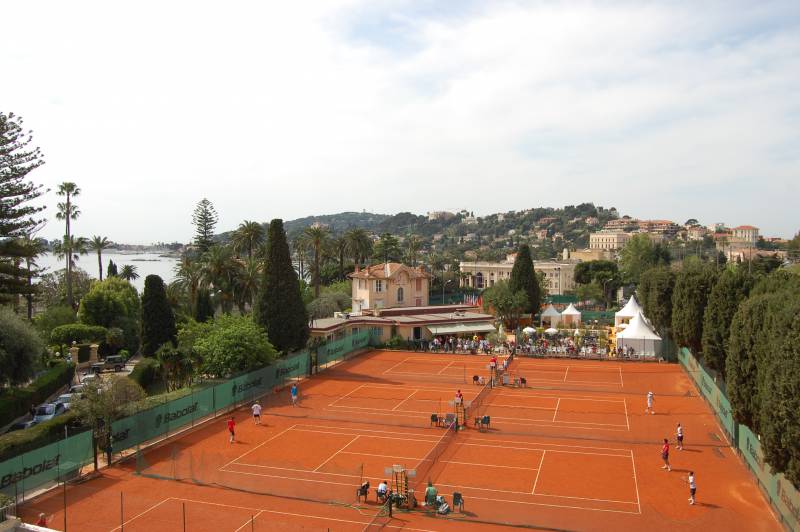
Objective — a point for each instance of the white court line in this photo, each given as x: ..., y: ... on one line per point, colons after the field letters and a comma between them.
x: 559, y: 381
x: 390, y: 369
x: 404, y: 400
x: 551, y: 450
x: 137, y: 516
x: 415, y: 458
x: 334, y: 454
x: 488, y: 465
x: 566, y: 373
x: 310, y: 516
x: 313, y: 428
x: 416, y: 413
x: 259, y: 445
x: 622, y: 384
x: 365, y: 436
x: 296, y: 470
x: 249, y: 521
x: 627, y: 422
x: 555, y: 412
x: 550, y: 396
x: 350, y: 484
x: 517, y: 442
x: 503, y: 405
x: 577, y: 423
x: 538, y: 471
x: 636, y: 483
x: 420, y: 387
x: 347, y: 394
x: 545, y: 423
x: 447, y: 366
x: 550, y: 505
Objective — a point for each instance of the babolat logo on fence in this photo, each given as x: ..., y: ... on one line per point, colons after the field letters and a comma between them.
x: 334, y: 349
x: 706, y: 385
x: 243, y: 387
x: 785, y: 496
x: 121, y: 435
x: 280, y: 372
x: 751, y: 450
x: 721, y: 408
x: 169, y: 417
x: 29, y: 471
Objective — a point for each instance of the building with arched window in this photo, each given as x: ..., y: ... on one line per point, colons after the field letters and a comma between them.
x: 389, y: 285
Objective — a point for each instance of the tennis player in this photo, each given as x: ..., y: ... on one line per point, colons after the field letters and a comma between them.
x: 650, y: 399
x: 665, y: 455
x: 679, y: 436
x: 692, y: 486
x: 231, y: 426
x: 256, y: 408
x: 293, y: 392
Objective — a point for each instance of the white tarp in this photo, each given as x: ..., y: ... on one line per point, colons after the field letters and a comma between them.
x: 639, y: 336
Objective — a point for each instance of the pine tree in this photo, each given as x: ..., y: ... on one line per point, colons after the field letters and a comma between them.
x: 204, y: 310
x: 279, y: 306
x: 158, y: 321
x: 17, y: 216
x: 204, y: 220
x: 523, y: 277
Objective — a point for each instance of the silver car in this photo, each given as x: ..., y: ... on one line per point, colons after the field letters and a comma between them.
x: 48, y: 411
x: 65, y: 399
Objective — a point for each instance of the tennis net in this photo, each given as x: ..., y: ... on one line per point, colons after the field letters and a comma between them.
x: 478, y: 405
x: 381, y: 518
x: 423, y: 471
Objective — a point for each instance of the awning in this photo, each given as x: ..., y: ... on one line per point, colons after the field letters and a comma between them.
x: 462, y: 328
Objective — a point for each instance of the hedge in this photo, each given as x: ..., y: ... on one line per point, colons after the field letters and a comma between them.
x: 145, y: 372
x: 21, y: 441
x: 77, y: 332
x: 17, y: 401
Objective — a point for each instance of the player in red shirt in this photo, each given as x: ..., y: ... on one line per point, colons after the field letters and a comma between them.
x: 231, y: 425
x: 665, y: 455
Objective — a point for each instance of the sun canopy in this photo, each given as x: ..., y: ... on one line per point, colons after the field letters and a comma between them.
x: 630, y: 309
x: 638, y: 329
x: 462, y: 328
x: 550, y: 311
x: 551, y: 330
x: 571, y: 311
x: 529, y: 330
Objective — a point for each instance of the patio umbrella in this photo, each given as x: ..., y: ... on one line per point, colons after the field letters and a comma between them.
x: 529, y: 330
x: 551, y: 331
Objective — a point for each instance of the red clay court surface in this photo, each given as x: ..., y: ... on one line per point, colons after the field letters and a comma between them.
x: 572, y: 451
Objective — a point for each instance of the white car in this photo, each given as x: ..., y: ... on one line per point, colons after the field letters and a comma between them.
x: 65, y: 399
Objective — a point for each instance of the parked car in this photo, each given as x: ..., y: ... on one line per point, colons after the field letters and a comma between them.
x: 76, y: 388
x: 113, y: 362
x: 21, y: 425
x: 65, y: 399
x: 47, y: 411
x: 88, y: 377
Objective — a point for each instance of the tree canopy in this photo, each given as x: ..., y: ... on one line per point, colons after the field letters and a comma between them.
x: 731, y: 288
x: 638, y: 255
x: 108, y: 300
x: 204, y: 219
x: 506, y: 303
x: 233, y: 344
x: 656, y: 286
x: 689, y: 299
x: 20, y: 347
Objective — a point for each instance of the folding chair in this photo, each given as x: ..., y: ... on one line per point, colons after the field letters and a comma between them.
x: 449, y: 419
x: 435, y: 420
x: 458, y: 501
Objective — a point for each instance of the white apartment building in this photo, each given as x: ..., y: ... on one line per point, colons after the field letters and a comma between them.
x: 560, y: 276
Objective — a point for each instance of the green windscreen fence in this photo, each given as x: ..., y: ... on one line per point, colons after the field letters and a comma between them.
x: 338, y: 349
x: 35, y: 469
x: 781, y: 493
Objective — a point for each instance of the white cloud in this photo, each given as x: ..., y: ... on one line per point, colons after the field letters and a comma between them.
x: 667, y: 110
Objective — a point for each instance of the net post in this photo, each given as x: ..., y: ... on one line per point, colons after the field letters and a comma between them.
x: 183, y: 507
x: 121, y: 514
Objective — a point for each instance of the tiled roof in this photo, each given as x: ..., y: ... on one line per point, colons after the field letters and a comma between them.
x: 378, y: 271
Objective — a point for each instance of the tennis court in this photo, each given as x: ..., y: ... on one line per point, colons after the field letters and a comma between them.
x: 572, y: 450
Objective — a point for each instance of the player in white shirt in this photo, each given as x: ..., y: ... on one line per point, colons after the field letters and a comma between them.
x: 679, y: 436
x: 650, y: 399
x: 256, y: 408
x: 692, y: 486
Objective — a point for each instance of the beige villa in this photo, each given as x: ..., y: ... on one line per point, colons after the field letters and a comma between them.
x: 389, y: 285
x: 559, y: 275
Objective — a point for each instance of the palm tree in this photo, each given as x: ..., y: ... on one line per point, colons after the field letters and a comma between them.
x: 71, y: 248
x: 318, y: 237
x: 339, y: 248
x: 189, y: 278
x: 68, y: 211
x: 248, y: 237
x: 246, y: 283
x: 300, y: 246
x: 98, y: 244
x: 32, y: 248
x: 359, y: 245
x: 218, y: 270
x: 413, y: 246
x: 128, y: 272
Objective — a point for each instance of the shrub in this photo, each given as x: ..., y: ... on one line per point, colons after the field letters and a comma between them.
x: 22, y: 441
x: 145, y: 373
x: 77, y: 332
x: 20, y: 347
x: 17, y: 401
x: 396, y: 341
x: 52, y: 318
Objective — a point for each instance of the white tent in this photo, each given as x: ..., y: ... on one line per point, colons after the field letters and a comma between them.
x: 628, y: 312
x: 529, y: 331
x: 551, y: 316
x: 571, y: 315
x: 639, y: 336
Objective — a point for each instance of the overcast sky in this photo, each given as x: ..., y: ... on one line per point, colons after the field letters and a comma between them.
x: 288, y: 109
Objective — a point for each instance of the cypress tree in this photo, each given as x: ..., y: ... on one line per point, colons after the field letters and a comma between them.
x: 111, y: 270
x: 158, y: 321
x: 730, y: 290
x: 689, y: 299
x: 655, y: 294
x: 279, y: 306
x: 523, y: 278
x: 204, y: 310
